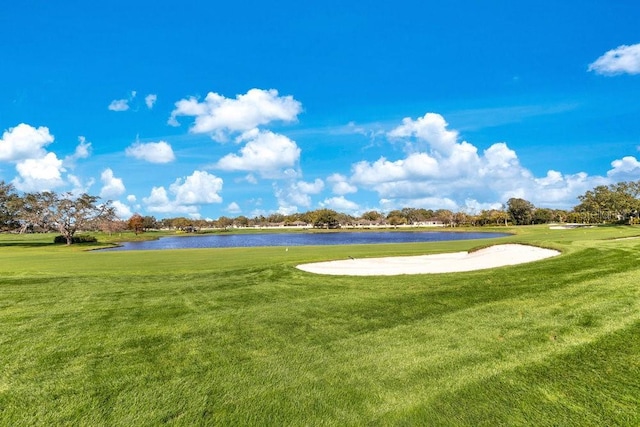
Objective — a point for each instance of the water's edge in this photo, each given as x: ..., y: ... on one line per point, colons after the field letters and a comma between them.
x: 297, y: 239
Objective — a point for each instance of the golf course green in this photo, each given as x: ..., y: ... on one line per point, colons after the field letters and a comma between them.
x: 239, y: 336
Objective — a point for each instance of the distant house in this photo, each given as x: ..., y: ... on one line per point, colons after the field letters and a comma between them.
x: 298, y: 224
x: 364, y: 223
x: 431, y: 222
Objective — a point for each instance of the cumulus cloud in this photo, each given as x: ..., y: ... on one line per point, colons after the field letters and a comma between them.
x: 340, y: 185
x: 122, y: 104
x: 625, y: 169
x: 82, y: 151
x: 39, y: 174
x: 296, y: 194
x: 112, y: 187
x: 200, y: 187
x: 158, y: 202
x: 310, y: 187
x: 265, y: 152
x: 188, y: 193
x: 221, y: 116
x: 439, y: 170
x: 621, y: 60
x: 432, y: 129
x: 24, y: 142
x: 234, y: 208
x: 119, y: 105
x: 38, y: 170
x: 416, y: 166
x: 122, y: 211
x: 153, y: 152
x: 340, y: 204
x: 150, y: 100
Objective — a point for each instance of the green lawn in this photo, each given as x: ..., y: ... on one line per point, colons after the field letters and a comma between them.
x: 241, y: 337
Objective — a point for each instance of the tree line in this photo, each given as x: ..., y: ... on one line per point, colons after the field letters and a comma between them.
x: 67, y: 214
x: 48, y: 211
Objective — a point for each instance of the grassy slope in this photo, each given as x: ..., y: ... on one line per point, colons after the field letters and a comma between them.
x: 239, y: 336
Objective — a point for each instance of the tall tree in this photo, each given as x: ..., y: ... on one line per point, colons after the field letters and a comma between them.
x: 444, y: 215
x: 324, y: 218
x: 461, y: 218
x: 9, y: 206
x: 396, y: 217
x: 35, y: 211
x: 224, y: 222
x: 241, y: 221
x: 149, y: 223
x: 136, y: 223
x: 373, y: 216
x: 520, y: 211
x: 68, y: 214
x: 542, y: 216
x: 614, y: 202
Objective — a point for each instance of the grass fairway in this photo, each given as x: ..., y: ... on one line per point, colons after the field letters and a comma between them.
x: 241, y: 337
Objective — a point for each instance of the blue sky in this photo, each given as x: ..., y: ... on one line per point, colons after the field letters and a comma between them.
x: 202, y: 109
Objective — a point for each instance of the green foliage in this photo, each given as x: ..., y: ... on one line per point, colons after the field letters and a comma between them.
x: 520, y: 211
x: 325, y: 218
x: 614, y: 203
x: 9, y: 206
x: 371, y: 216
x: 75, y: 239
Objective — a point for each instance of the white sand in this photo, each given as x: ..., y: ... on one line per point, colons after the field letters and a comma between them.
x: 491, y: 257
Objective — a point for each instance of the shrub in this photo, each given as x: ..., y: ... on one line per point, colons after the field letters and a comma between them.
x: 76, y: 239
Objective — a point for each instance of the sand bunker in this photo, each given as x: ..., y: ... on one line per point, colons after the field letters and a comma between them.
x: 491, y: 257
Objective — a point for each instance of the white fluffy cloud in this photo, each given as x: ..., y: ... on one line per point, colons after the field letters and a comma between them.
x: 199, y: 187
x: 234, y: 208
x: 119, y: 105
x: 220, y: 116
x: 24, y: 142
x: 265, y: 152
x: 340, y: 204
x: 621, y: 60
x: 158, y: 202
x: 122, y: 104
x: 122, y: 211
x: 189, y: 192
x: 39, y: 174
x: 112, y: 187
x: 310, y: 187
x: 432, y: 129
x: 38, y: 170
x: 150, y: 100
x: 442, y: 171
x: 82, y: 151
x: 153, y: 152
x: 340, y: 185
x: 625, y: 169
x: 296, y: 194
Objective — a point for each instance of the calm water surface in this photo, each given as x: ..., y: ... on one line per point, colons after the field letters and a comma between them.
x: 299, y: 239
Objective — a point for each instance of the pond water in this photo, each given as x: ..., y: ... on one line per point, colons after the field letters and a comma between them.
x: 229, y: 240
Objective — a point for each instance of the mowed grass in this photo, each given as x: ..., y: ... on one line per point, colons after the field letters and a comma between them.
x: 241, y: 337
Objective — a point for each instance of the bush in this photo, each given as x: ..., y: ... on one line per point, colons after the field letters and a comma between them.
x: 75, y: 239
